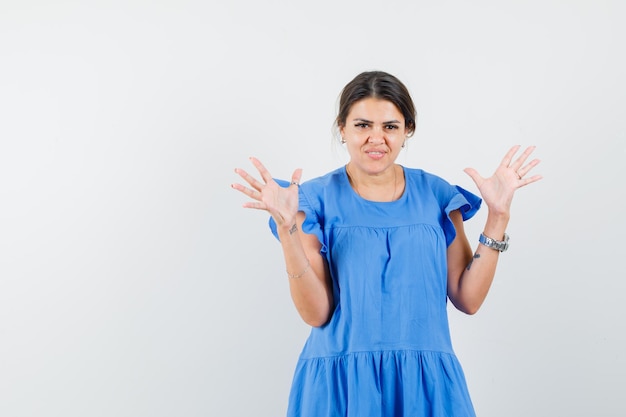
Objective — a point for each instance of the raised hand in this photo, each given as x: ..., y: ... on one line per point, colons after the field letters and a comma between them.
x: 280, y: 202
x: 497, y: 191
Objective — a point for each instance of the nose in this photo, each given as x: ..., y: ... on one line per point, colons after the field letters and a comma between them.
x: 376, y: 136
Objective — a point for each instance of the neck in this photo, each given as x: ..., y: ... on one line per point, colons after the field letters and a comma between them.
x: 386, y: 186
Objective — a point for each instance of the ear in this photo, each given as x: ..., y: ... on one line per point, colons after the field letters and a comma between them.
x: 409, y: 132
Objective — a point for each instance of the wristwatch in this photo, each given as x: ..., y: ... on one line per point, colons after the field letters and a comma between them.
x: 500, y: 245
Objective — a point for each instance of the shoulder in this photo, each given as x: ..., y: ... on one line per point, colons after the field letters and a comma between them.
x: 448, y: 195
x: 316, y: 191
x: 419, y: 176
x: 325, y: 179
x: 323, y: 183
x: 427, y: 184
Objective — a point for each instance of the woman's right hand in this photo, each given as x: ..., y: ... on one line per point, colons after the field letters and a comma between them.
x: 310, y: 284
x: 280, y: 202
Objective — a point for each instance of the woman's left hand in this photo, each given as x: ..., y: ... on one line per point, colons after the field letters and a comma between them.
x: 497, y: 191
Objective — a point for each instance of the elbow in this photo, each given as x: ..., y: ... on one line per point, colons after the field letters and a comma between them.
x: 468, y: 307
x: 470, y: 311
x: 467, y: 302
x: 316, y: 315
x: 316, y: 321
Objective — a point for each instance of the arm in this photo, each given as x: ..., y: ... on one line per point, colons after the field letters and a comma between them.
x: 470, y: 276
x: 309, y: 277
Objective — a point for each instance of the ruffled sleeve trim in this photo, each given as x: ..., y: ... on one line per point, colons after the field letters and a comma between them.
x: 312, y: 222
x: 464, y: 201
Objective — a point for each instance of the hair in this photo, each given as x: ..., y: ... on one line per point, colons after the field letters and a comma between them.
x: 380, y: 85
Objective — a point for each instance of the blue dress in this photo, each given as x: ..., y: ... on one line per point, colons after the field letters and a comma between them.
x: 386, y: 350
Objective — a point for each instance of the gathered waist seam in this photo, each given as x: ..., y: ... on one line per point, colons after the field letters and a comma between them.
x: 379, y: 352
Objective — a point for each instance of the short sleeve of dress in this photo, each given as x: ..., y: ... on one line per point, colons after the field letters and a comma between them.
x: 464, y: 201
x: 312, y: 222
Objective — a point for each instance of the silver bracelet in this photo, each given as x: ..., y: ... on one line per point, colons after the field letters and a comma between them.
x: 301, y: 274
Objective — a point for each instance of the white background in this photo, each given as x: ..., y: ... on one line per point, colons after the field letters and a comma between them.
x: 132, y: 283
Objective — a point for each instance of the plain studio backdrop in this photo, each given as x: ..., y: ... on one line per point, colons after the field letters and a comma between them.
x: 132, y: 283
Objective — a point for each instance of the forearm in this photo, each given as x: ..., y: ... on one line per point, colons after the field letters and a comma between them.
x: 309, y: 285
x: 476, y: 278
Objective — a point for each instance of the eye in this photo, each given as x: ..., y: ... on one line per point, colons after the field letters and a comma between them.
x: 362, y: 125
x: 391, y: 127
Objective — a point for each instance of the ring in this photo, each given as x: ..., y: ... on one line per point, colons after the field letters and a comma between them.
x: 295, y: 183
x: 518, y: 175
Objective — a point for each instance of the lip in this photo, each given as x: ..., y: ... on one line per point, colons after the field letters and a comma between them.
x: 376, y: 153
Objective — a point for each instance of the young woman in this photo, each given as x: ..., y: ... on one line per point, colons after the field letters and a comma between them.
x: 373, y: 251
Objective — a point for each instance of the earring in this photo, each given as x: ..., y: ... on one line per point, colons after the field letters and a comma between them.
x: 343, y: 141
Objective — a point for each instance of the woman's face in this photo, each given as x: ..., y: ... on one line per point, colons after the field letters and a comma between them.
x: 374, y: 132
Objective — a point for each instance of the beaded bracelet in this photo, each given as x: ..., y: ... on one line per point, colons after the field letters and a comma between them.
x: 296, y: 276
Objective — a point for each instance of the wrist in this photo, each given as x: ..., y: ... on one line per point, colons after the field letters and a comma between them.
x: 498, y: 216
x: 288, y: 229
x: 499, y: 245
x: 496, y: 225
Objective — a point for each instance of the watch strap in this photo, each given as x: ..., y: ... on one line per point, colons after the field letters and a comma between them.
x: 499, y: 245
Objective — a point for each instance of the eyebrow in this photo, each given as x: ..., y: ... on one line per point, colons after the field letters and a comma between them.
x: 358, y: 119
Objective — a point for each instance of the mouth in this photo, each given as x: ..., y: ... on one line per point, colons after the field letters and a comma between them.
x: 375, y: 154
